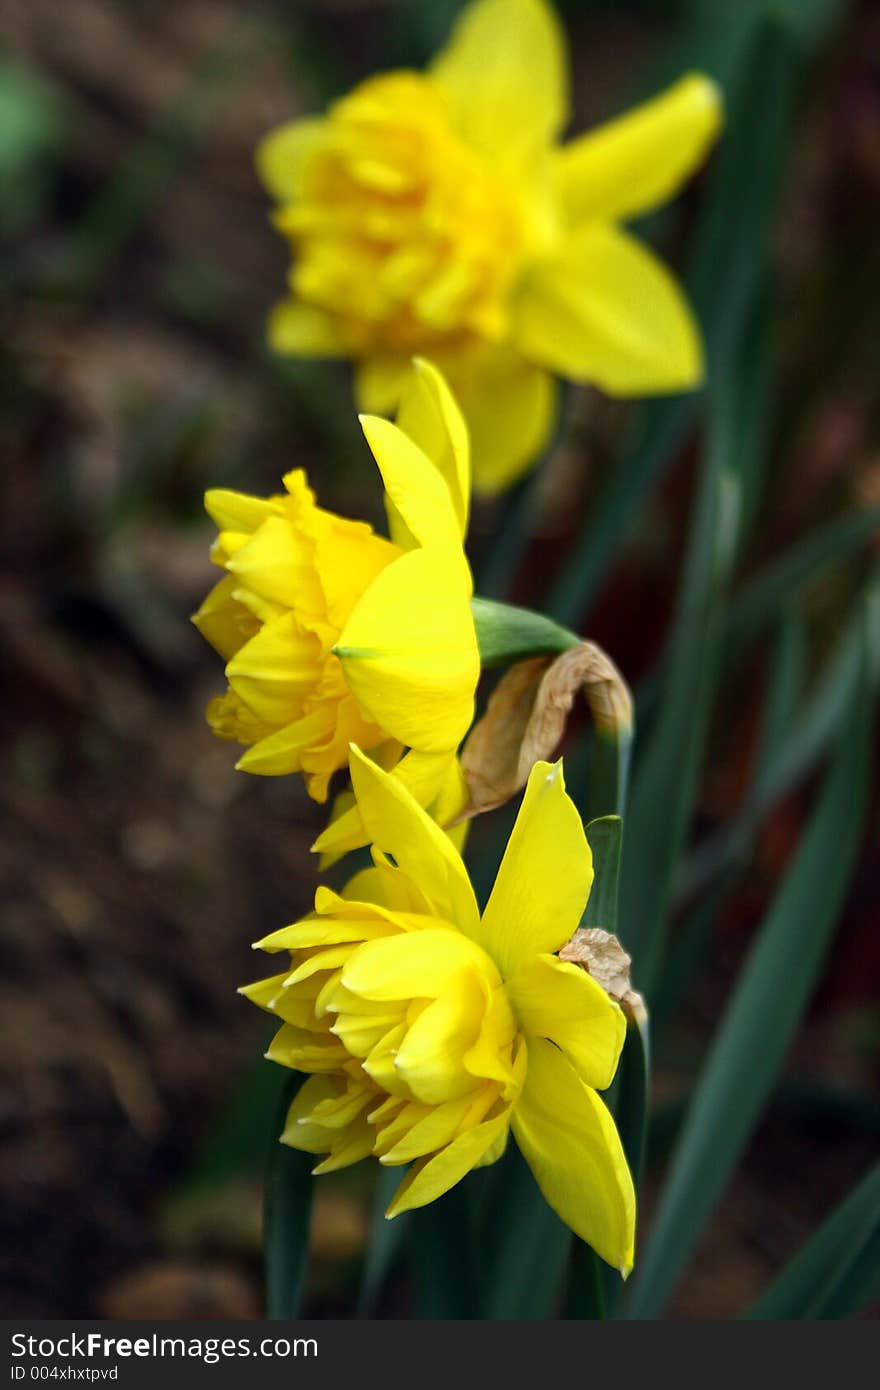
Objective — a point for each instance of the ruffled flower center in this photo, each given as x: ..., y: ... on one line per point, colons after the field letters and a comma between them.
x: 400, y: 230
x: 408, y: 1032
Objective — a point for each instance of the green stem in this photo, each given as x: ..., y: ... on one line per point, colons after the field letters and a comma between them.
x: 506, y: 633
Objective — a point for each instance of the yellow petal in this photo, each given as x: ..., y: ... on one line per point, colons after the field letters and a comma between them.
x: 570, y: 1142
x: 304, y: 330
x: 510, y: 406
x: 411, y: 965
x: 398, y: 826
x: 419, y: 1130
x: 430, y: 1057
x: 278, y: 563
x: 430, y: 416
x: 379, y: 383
x: 223, y: 621
x: 505, y: 73
x: 556, y: 1000
x: 409, y: 651
x: 632, y: 164
x: 417, y: 490
x: 273, y: 671
x: 424, y: 775
x: 356, y: 1143
x: 305, y: 1050
x: 545, y: 876
x: 431, y: 1177
x: 607, y: 311
x: 281, y: 154
x: 282, y: 751
x: 239, y: 511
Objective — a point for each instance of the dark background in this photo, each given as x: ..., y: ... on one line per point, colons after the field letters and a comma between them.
x: 135, y: 864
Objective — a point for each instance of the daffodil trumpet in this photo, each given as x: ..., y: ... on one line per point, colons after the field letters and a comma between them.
x: 438, y: 213
x: 430, y: 1032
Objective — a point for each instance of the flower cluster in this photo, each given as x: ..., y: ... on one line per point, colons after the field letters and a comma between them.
x: 332, y: 634
x: 429, y: 1032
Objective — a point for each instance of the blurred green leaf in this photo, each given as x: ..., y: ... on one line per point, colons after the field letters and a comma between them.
x: 820, y: 1274
x: 786, y: 761
x: 667, y: 775
x: 288, y: 1216
x: 442, y: 1252
x: 821, y: 549
x: 527, y: 1246
x: 32, y: 130
x: 726, y: 273
x: 771, y: 993
x: 384, y: 1241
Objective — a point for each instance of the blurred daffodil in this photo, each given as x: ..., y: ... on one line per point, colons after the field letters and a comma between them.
x: 333, y: 634
x: 435, y: 212
x: 429, y: 1032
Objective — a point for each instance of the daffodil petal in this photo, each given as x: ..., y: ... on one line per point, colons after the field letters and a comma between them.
x: 606, y: 310
x: 557, y: 1000
x: 431, y: 1177
x: 545, y: 876
x: 409, y: 651
x: 505, y: 74
x: 222, y: 619
x: 356, y: 1143
x: 430, y: 1057
x: 304, y: 330
x: 379, y: 383
x: 397, y: 825
x: 425, y: 776
x: 569, y: 1140
x: 275, y: 668
x: 277, y: 563
x: 410, y: 965
x: 430, y: 416
x: 421, y: 1130
x: 305, y: 1050
x: 634, y: 163
x: 509, y: 405
x: 417, y: 491
x: 238, y: 511
x: 281, y: 155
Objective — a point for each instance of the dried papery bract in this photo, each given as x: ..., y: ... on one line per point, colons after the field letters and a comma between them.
x: 602, y: 956
x: 527, y: 714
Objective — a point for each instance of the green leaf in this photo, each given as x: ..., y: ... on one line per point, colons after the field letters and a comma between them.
x: 288, y: 1215
x: 823, y: 548
x: 605, y: 838
x: 443, y: 1256
x: 805, y: 740
x: 528, y: 1246
x: 820, y: 1274
x: 771, y: 993
x: 724, y: 282
x: 384, y: 1242
x: 667, y: 777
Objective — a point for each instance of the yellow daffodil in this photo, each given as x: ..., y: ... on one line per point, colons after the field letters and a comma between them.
x: 435, y: 212
x: 429, y: 1032
x: 332, y: 634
